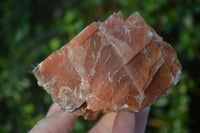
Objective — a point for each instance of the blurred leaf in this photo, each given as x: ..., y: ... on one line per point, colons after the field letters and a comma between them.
x: 161, y: 102
x: 79, y: 126
x: 54, y: 44
x: 71, y: 15
x: 29, y: 108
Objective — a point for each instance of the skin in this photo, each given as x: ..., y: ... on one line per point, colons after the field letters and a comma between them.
x: 58, y: 121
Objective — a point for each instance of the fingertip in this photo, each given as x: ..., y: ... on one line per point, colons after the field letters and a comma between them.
x: 124, y: 123
x: 105, y: 123
x: 141, y: 120
x: 54, y: 108
x: 146, y: 110
x: 143, y: 114
x: 62, y: 122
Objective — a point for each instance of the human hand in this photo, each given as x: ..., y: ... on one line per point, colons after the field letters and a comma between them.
x: 58, y: 121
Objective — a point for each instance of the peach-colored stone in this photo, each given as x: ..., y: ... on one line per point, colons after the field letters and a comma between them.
x: 113, y: 65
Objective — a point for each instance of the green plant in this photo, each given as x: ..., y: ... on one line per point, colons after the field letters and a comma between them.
x: 32, y: 29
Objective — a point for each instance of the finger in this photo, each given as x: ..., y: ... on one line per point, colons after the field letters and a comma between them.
x: 59, y: 122
x: 104, y: 125
x: 141, y: 120
x: 54, y: 108
x: 124, y: 123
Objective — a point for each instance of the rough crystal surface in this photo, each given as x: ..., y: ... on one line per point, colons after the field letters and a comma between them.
x: 113, y: 65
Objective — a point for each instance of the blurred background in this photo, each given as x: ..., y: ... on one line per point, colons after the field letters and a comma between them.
x: 32, y: 29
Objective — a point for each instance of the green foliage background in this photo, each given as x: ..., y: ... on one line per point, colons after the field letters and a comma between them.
x: 32, y: 29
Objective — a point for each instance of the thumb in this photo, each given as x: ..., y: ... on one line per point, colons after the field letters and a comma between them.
x: 59, y: 122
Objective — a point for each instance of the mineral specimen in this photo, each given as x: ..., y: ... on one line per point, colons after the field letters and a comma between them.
x: 110, y: 66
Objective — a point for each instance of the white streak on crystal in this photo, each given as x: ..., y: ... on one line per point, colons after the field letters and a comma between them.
x: 50, y: 58
x: 78, y: 57
x: 150, y: 34
x: 172, y: 79
x: 68, y: 107
x: 101, y: 84
x: 127, y: 32
x: 122, y: 48
x: 146, y: 54
x: 140, y: 97
x: 112, y: 91
x: 117, y: 70
x: 93, y: 56
x: 92, y: 72
x: 48, y: 85
x: 59, y: 54
x: 109, y: 78
x: 124, y: 106
x: 75, y: 91
x: 114, y: 106
x: 173, y: 59
x: 64, y: 88
x: 62, y: 96
x: 177, y: 77
x: 108, y: 57
x: 124, y: 75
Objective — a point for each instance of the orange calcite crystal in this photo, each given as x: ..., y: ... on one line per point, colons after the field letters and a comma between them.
x: 116, y: 65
